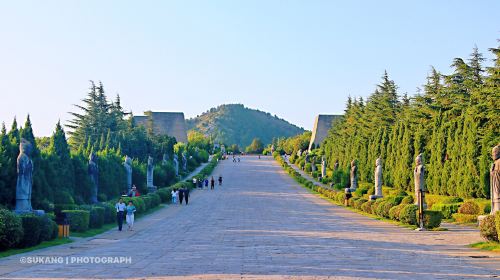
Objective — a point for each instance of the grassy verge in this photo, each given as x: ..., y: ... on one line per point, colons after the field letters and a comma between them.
x: 42, y: 245
x: 487, y: 246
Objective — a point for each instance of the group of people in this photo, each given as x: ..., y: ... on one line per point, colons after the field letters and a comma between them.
x: 126, y: 212
x: 236, y: 158
x: 180, y: 195
x: 199, y: 183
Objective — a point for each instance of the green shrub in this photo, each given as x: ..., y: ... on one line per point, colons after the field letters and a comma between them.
x: 32, y: 227
x: 464, y: 218
x: 432, y: 219
x: 11, y: 229
x: 395, y: 211
x: 339, y: 197
x: 408, y: 214
x: 367, y: 206
x: 361, y: 190
x: 165, y: 195
x: 46, y: 228
x: 63, y: 197
x: 55, y: 230
x: 359, y: 202
x: 446, y: 209
x: 375, y: 205
x: 109, y: 212
x: 401, y: 193
x: 308, y: 167
x: 97, y: 215
x: 488, y: 229
x: 497, y: 222
x: 407, y: 200
x: 78, y: 219
x: 470, y: 208
x: 385, y: 207
x: 451, y: 200
x: 155, y: 199
x: 59, y: 207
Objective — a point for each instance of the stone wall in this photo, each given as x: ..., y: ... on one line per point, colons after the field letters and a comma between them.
x: 322, y: 124
x: 165, y: 123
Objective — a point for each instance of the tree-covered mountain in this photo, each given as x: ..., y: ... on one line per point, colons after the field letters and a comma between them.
x: 236, y: 124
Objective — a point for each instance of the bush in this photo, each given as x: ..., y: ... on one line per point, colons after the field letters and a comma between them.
x: 446, y: 209
x: 385, y: 207
x: 470, y: 208
x: 359, y: 202
x: 464, y: 218
x: 497, y: 222
x: 407, y: 200
x: 147, y: 202
x: 395, y: 211
x: 78, y: 219
x: 97, y: 215
x: 432, y: 219
x: 155, y: 199
x: 339, y: 197
x: 488, y: 229
x: 63, y: 197
x: 32, y: 227
x: 46, y: 228
x: 451, y: 200
x: 165, y: 195
x: 138, y: 202
x: 55, y: 230
x: 109, y: 212
x: 58, y: 208
x: 11, y: 229
x: 408, y: 214
x: 367, y: 206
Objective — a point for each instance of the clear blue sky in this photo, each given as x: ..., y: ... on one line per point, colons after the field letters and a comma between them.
x: 295, y: 59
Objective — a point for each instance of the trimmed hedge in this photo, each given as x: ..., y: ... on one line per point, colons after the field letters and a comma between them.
x: 46, y: 228
x: 408, y: 214
x: 446, y: 209
x: 78, y: 219
x: 488, y: 228
x: 97, y: 215
x: 464, y: 218
x: 470, y: 208
x: 32, y: 227
x: 497, y: 222
x: 432, y: 219
x: 109, y: 212
x: 11, y: 229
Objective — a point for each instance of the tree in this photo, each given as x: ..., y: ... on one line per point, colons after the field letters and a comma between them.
x: 255, y: 147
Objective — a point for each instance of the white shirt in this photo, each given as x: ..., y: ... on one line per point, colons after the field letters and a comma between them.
x: 120, y: 207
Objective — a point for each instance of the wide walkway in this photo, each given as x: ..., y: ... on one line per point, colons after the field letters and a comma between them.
x: 261, y: 224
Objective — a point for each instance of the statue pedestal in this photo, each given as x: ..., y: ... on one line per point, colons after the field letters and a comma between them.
x: 375, y: 197
x: 152, y: 189
x: 34, y: 212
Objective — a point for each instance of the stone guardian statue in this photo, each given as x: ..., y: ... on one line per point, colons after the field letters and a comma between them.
x: 24, y: 184
x: 323, y: 167
x: 419, y: 175
x: 354, y: 176
x: 176, y: 165
x: 495, y: 180
x: 93, y: 171
x: 378, y: 180
x: 127, y: 164
x: 149, y: 175
x: 184, y: 162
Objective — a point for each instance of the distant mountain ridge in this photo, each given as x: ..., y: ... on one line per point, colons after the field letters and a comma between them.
x: 237, y: 124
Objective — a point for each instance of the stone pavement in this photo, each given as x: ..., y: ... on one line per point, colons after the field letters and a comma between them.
x: 261, y: 224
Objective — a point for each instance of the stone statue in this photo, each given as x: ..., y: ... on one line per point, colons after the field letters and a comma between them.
x: 323, y: 167
x: 128, y: 169
x: 149, y: 175
x: 419, y: 174
x: 354, y: 176
x: 184, y: 162
x: 176, y: 165
x: 24, y: 178
x: 495, y: 180
x: 307, y: 157
x: 378, y: 180
x: 336, y: 165
x: 93, y: 171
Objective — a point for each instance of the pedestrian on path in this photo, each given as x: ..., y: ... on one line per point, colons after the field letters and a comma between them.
x: 206, y: 183
x: 130, y: 215
x: 120, y: 208
x: 181, y: 196
x: 200, y: 184
x: 212, y: 183
x: 186, y: 195
x: 174, y: 196
x: 220, y: 180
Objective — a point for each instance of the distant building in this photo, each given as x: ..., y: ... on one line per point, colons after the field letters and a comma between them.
x: 322, y: 125
x: 165, y: 123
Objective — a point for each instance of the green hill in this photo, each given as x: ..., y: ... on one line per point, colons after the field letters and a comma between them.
x: 236, y: 124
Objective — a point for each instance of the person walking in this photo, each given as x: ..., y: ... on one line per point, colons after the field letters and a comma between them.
x: 120, y: 208
x: 206, y: 183
x: 220, y: 180
x: 130, y: 215
x: 174, y: 196
x: 200, y: 184
x: 212, y: 183
x: 181, y: 196
x: 186, y: 195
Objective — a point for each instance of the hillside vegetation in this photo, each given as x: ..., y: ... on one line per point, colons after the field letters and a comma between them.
x: 236, y: 124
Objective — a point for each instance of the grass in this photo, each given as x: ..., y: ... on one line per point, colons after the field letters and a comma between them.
x: 487, y: 246
x: 42, y: 245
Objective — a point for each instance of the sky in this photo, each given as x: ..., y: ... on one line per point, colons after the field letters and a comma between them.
x: 295, y: 59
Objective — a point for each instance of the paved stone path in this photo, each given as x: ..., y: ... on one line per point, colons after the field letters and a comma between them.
x: 261, y: 224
